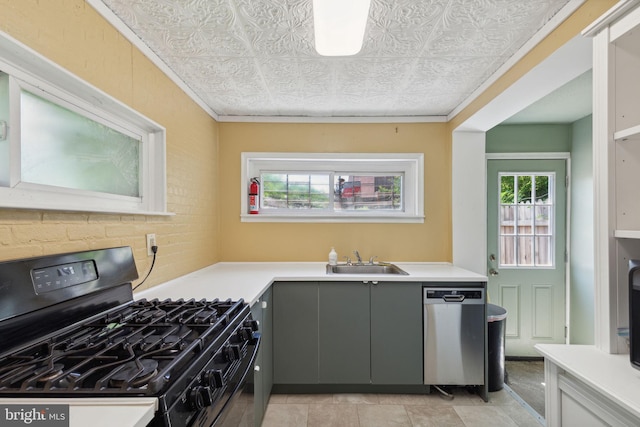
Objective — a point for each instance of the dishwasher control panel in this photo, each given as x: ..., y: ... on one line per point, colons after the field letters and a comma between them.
x: 454, y: 295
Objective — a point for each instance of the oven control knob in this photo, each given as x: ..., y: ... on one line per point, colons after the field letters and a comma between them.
x: 214, y: 378
x: 199, y: 397
x: 233, y: 352
x: 253, y: 324
x: 245, y: 334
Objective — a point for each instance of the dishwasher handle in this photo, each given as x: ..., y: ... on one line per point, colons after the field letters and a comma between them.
x: 453, y: 298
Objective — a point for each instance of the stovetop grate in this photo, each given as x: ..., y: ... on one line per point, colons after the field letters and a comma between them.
x: 134, y: 349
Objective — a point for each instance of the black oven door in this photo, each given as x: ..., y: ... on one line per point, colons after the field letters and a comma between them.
x: 239, y: 409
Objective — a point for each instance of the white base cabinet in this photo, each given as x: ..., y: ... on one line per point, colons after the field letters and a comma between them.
x: 583, y: 406
x: 585, y: 386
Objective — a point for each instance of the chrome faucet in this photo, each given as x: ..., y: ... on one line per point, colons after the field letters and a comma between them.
x: 357, y: 254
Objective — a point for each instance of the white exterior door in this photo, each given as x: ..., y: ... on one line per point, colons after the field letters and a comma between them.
x: 526, y: 243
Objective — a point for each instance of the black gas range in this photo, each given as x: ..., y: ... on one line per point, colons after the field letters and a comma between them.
x: 71, y: 328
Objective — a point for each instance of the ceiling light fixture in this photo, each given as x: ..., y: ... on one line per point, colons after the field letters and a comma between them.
x: 339, y: 26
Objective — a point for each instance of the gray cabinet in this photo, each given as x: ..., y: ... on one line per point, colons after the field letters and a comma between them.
x: 344, y: 325
x: 348, y: 333
x: 396, y: 333
x: 295, y: 335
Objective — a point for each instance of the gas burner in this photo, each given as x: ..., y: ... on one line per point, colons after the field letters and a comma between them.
x: 171, y: 341
x: 48, y: 373
x: 135, y: 373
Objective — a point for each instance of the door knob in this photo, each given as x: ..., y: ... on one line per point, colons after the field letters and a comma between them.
x: 493, y: 272
x: 492, y: 257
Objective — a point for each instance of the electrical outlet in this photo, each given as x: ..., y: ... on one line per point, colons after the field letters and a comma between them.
x: 151, y: 241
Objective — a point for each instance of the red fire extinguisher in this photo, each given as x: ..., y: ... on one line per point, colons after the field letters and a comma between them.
x: 254, y: 196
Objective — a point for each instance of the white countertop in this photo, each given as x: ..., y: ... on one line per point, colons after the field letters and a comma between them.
x: 248, y: 280
x: 99, y: 412
x: 609, y: 374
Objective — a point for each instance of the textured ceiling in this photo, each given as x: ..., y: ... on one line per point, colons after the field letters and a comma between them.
x: 257, y: 58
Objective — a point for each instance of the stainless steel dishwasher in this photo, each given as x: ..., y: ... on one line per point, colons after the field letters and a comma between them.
x: 454, y: 336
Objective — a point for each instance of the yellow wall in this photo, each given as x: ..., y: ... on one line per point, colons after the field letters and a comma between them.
x: 430, y: 241
x: 204, y: 189
x: 73, y: 35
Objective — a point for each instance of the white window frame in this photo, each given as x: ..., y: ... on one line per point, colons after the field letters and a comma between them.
x: 33, y: 72
x: 411, y: 165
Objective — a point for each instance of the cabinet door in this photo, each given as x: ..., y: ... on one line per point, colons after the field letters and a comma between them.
x: 575, y: 414
x: 256, y: 382
x: 344, y: 333
x: 295, y: 333
x: 396, y: 333
x: 267, y: 347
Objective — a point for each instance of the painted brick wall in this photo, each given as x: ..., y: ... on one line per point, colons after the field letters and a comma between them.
x: 73, y: 35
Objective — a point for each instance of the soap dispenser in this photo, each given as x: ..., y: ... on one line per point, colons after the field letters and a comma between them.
x: 333, y: 257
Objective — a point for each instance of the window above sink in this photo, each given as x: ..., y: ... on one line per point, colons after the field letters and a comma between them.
x: 335, y: 187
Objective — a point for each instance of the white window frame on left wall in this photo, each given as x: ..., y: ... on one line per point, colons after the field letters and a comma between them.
x: 24, y: 64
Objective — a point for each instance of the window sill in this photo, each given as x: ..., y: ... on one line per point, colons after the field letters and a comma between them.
x: 87, y: 210
x: 405, y: 219
x: 37, y: 199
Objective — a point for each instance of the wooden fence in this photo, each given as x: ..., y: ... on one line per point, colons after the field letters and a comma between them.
x: 526, y: 234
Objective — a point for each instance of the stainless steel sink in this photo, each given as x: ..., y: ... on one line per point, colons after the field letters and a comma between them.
x: 380, y: 268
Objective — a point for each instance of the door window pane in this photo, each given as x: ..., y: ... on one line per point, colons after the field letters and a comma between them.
x: 525, y: 219
x: 507, y: 220
x: 526, y: 226
x: 543, y: 195
x: 65, y: 149
x: 525, y: 250
x: 524, y: 189
x: 507, y: 188
x: 508, y: 251
x: 543, y: 251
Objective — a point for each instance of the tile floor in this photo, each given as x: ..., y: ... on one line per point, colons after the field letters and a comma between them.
x: 526, y: 379
x: 382, y: 410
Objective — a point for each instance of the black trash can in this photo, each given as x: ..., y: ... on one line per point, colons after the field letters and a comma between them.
x: 496, y: 319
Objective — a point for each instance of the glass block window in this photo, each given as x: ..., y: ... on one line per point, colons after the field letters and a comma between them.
x: 63, y: 148
x: 66, y: 145
x: 526, y: 220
